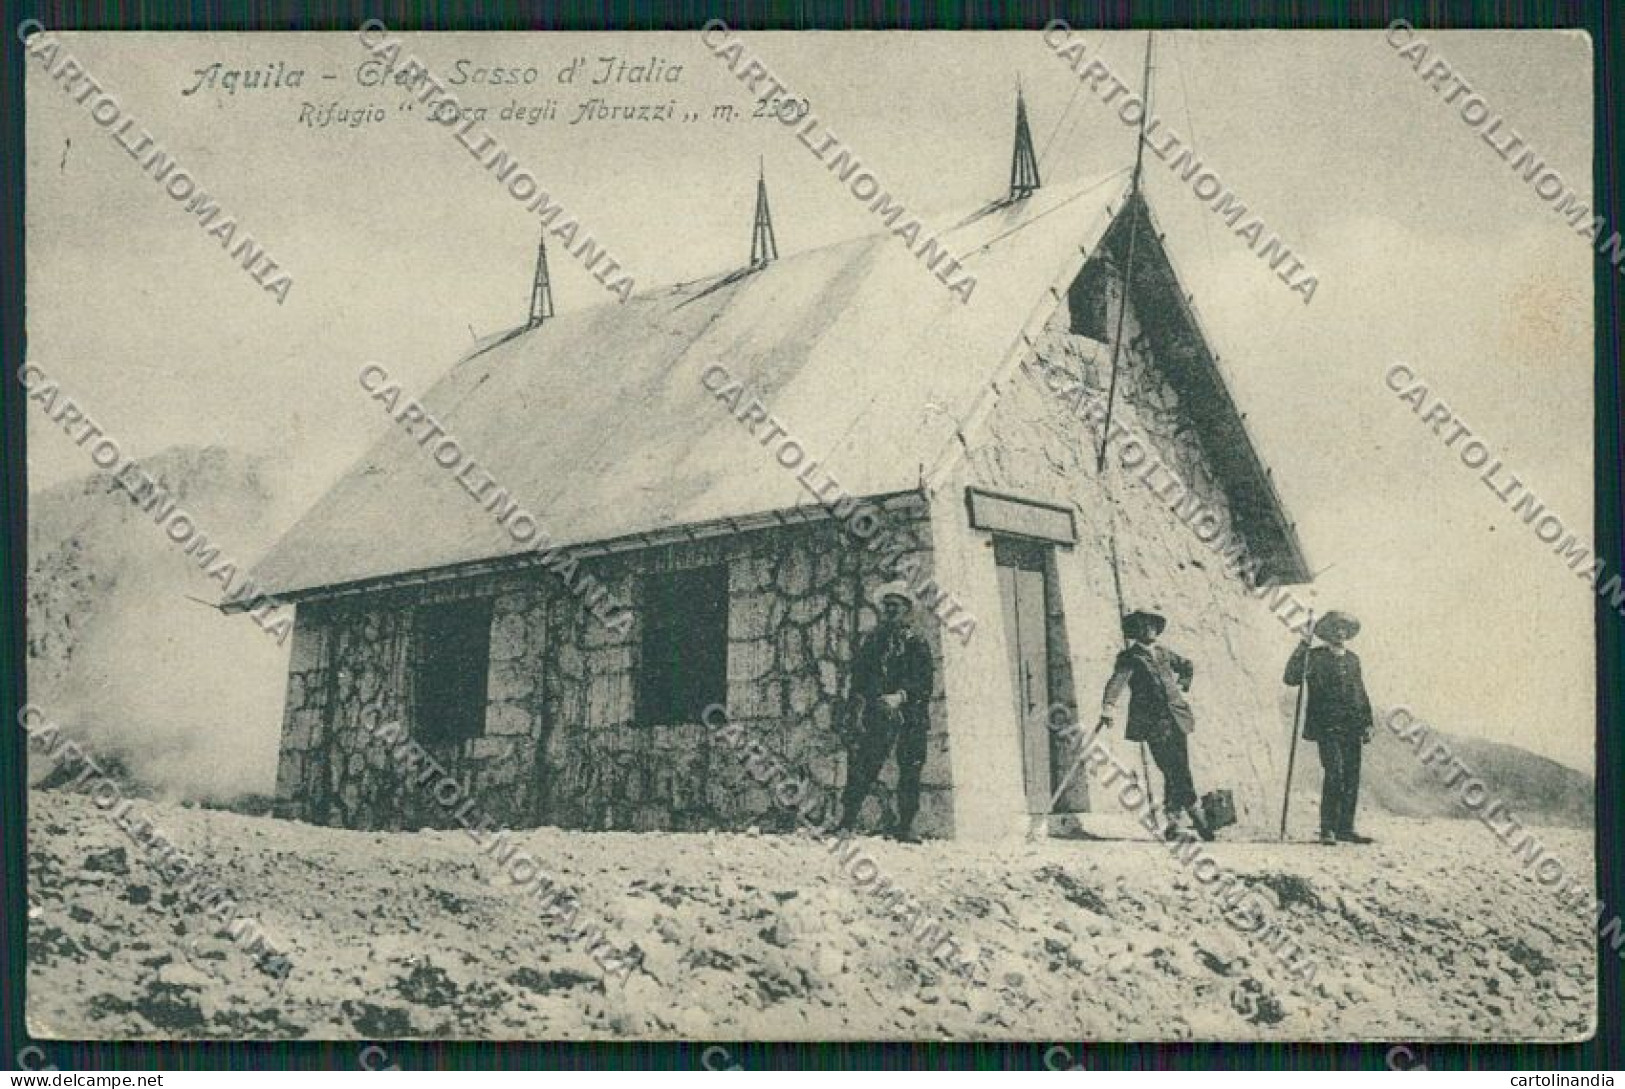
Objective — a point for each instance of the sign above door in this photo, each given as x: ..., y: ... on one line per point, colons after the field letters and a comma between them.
x: 1020, y: 517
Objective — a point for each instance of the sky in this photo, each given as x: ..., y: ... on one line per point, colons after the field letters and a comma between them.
x: 1428, y: 249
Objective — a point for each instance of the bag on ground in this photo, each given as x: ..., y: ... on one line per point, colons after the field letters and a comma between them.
x: 1218, y: 809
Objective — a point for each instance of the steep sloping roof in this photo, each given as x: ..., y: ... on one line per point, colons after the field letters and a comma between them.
x: 599, y: 424
x: 1184, y: 349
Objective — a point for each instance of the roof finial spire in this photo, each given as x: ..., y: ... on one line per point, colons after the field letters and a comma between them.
x: 1024, y: 163
x: 763, y: 246
x: 541, y: 289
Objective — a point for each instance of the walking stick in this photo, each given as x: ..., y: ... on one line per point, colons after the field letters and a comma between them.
x: 1297, y: 723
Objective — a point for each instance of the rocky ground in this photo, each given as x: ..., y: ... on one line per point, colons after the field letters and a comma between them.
x: 1433, y: 933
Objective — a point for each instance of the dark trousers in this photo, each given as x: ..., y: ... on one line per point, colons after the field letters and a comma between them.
x: 1172, y: 754
x: 1340, y: 788
x: 884, y: 729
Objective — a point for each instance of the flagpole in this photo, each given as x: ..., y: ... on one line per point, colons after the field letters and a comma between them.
x: 1128, y: 273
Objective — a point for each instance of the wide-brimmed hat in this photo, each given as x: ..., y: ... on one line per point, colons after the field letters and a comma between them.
x: 1144, y: 618
x: 1337, y: 625
x: 894, y: 588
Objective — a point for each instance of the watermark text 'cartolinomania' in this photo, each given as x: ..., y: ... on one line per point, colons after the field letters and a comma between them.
x: 178, y: 184
x: 520, y: 184
x: 1476, y: 114
x: 517, y: 521
x: 1509, y: 488
x: 1181, y: 158
x: 149, y: 493
x: 839, y: 159
x: 1137, y: 454
x: 862, y: 519
x: 175, y: 866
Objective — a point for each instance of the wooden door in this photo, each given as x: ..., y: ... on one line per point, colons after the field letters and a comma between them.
x: 1022, y: 593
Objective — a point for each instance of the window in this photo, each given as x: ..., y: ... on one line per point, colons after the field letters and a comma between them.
x: 683, y: 667
x: 451, y: 657
x: 1091, y: 305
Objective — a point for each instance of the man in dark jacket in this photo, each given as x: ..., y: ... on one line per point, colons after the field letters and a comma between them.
x: 1158, y: 714
x: 892, y: 679
x: 1337, y: 717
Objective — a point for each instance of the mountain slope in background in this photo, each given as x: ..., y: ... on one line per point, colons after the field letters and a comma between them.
x: 1394, y: 780
x: 1538, y: 790
x: 121, y: 655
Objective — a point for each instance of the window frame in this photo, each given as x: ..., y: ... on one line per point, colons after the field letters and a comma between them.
x: 426, y: 639
x: 687, y: 642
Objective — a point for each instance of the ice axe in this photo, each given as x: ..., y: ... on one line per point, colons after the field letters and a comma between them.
x: 1297, y: 723
x: 1066, y: 780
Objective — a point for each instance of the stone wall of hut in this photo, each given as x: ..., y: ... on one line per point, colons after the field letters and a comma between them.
x: 560, y: 744
x: 1137, y: 548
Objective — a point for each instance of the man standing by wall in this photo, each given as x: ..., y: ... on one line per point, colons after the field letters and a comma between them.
x: 892, y: 679
x: 1158, y: 714
x: 1337, y: 717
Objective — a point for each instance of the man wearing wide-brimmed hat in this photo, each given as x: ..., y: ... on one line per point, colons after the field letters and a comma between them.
x: 1158, y: 714
x: 892, y: 678
x: 1337, y: 717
